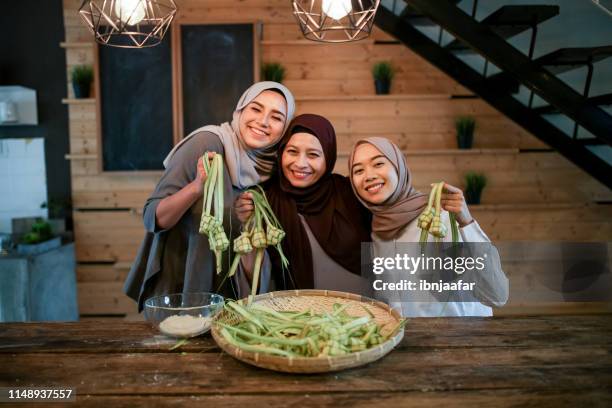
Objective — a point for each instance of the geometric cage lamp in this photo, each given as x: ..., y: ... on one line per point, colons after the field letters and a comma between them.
x: 128, y: 23
x: 335, y: 20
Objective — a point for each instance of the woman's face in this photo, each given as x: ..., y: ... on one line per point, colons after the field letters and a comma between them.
x: 262, y: 121
x: 303, y: 161
x: 372, y: 174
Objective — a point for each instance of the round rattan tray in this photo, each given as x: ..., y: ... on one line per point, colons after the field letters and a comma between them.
x: 319, y: 301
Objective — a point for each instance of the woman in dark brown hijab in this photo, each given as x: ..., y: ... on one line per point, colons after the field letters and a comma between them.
x: 324, y: 221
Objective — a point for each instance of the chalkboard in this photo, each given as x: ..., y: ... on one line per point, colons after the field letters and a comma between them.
x: 135, y: 106
x: 217, y: 64
x: 217, y: 67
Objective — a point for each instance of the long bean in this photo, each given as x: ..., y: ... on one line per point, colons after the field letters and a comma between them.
x: 306, y: 334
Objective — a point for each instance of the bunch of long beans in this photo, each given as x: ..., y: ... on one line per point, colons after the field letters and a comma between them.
x: 301, y: 334
x: 430, y: 220
x: 212, y: 225
x: 261, y: 230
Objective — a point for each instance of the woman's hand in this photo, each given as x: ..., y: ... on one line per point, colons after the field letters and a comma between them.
x: 198, y: 183
x: 244, y: 207
x: 454, y: 202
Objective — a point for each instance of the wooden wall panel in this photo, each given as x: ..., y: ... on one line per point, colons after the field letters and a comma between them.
x: 512, y: 178
x: 104, y: 298
x: 115, y: 236
x: 313, y: 69
x: 107, y: 236
x: 418, y: 121
x: 525, y: 278
x: 100, y: 285
x: 116, y: 272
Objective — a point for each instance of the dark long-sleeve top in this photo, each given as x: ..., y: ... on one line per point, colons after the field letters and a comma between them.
x: 178, y: 259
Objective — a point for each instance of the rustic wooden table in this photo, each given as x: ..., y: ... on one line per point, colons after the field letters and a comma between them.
x: 497, y: 362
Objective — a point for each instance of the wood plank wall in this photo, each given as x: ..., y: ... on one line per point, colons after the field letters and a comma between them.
x: 535, y: 195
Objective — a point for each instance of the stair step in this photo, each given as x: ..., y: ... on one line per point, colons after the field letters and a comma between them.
x: 508, y: 58
x: 567, y: 59
x: 411, y: 14
x: 504, y: 82
x: 599, y: 100
x: 591, y: 141
x: 509, y: 21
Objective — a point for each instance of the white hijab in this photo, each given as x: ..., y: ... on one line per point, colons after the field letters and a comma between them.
x: 246, y: 166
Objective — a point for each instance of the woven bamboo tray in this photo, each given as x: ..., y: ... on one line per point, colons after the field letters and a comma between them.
x: 319, y: 301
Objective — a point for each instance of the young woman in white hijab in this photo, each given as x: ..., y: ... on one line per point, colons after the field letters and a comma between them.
x: 174, y: 257
x: 383, y: 183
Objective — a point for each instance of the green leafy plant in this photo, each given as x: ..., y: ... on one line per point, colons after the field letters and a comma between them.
x: 82, y: 74
x: 82, y: 77
x: 465, y: 126
x: 57, y: 207
x: 41, y: 232
x: 383, y: 71
x: 383, y: 74
x: 474, y: 184
x: 273, y: 71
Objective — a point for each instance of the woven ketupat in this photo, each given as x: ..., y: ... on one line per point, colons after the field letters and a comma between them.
x: 319, y: 301
x: 258, y: 240
x: 274, y: 235
x: 242, y: 244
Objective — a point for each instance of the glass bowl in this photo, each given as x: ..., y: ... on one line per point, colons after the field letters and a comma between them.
x: 183, y: 315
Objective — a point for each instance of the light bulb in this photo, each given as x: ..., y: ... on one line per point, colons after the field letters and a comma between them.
x: 337, y: 9
x: 130, y: 12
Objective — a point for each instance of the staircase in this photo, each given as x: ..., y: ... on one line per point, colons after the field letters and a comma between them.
x: 587, y: 142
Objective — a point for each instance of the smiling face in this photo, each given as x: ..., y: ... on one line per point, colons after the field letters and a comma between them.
x: 262, y: 121
x: 303, y: 161
x: 372, y: 174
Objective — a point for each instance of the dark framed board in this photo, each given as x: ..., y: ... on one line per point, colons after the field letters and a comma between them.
x: 135, y: 107
x: 151, y: 98
x: 218, y: 62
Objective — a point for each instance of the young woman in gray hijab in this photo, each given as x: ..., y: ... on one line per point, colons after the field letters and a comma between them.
x: 174, y: 257
x: 382, y: 181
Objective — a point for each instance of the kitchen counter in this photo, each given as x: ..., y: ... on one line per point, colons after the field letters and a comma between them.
x: 553, y: 361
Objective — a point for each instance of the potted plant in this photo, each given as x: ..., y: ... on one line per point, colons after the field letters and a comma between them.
x: 82, y: 77
x: 39, y: 239
x: 465, y: 126
x: 273, y: 71
x: 474, y: 184
x: 383, y: 74
x: 59, y: 210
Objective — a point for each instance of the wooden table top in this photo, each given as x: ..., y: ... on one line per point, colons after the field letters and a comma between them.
x: 554, y: 361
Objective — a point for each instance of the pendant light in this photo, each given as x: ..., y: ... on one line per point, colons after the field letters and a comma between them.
x: 335, y: 20
x: 128, y: 23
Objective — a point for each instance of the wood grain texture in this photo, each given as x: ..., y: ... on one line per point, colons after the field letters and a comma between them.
x: 497, y: 398
x: 457, y: 362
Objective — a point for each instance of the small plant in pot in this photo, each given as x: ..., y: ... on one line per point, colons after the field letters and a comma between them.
x: 82, y: 77
x: 474, y: 184
x: 39, y: 239
x: 383, y: 74
x: 465, y: 126
x: 273, y: 71
x: 59, y: 210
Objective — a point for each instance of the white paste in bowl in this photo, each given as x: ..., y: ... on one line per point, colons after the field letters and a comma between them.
x: 185, y: 325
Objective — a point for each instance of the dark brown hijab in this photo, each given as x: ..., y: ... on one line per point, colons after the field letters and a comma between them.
x: 333, y: 213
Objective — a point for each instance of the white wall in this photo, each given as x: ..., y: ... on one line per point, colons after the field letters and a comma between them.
x: 23, y: 181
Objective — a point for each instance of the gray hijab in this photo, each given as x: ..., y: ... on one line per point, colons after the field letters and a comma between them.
x: 405, y: 203
x: 246, y: 166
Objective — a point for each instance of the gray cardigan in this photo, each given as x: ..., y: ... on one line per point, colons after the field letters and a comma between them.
x: 179, y: 259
